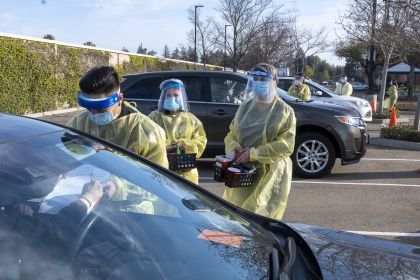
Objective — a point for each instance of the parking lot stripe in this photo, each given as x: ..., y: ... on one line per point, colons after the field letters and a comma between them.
x: 378, y: 233
x: 340, y: 183
x: 391, y: 159
x: 355, y: 183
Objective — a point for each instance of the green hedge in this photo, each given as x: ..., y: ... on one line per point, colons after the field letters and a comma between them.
x: 406, y: 106
x: 37, y: 77
x: 405, y: 133
x: 386, y: 114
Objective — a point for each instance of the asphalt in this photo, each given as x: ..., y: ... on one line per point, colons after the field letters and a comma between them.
x: 379, y: 194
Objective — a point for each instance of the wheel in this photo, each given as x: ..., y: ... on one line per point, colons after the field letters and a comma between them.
x: 314, y: 155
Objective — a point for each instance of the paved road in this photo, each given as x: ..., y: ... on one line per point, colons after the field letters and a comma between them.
x: 380, y: 194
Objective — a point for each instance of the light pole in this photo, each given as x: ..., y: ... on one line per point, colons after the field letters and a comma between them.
x: 195, y: 33
x: 224, y: 55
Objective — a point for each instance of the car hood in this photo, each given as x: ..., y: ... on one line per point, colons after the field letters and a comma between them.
x: 334, y: 109
x: 343, y: 255
x: 351, y: 98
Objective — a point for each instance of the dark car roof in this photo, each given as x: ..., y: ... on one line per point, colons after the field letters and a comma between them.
x: 195, y: 72
x: 15, y: 127
x: 131, y: 79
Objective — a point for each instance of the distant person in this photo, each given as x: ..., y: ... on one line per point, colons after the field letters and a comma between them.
x: 300, y: 90
x: 112, y: 119
x: 184, y: 131
x: 343, y: 87
x: 393, y: 94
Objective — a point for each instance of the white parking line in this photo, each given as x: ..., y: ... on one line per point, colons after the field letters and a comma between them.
x: 377, y: 233
x: 355, y: 183
x: 391, y: 159
x: 340, y: 183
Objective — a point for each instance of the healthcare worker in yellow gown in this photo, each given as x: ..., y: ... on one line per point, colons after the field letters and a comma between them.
x: 262, y: 133
x: 300, y: 90
x: 183, y: 130
x: 112, y: 119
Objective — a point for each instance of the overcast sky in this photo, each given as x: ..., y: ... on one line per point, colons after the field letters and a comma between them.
x: 117, y: 23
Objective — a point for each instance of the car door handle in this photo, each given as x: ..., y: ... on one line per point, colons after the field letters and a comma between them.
x: 220, y: 112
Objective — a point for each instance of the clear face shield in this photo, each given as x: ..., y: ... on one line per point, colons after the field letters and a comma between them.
x: 173, y: 97
x: 262, y: 86
x: 96, y: 114
x: 342, y: 80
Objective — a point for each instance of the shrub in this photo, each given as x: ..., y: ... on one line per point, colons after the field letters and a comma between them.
x: 37, y: 76
x: 405, y: 133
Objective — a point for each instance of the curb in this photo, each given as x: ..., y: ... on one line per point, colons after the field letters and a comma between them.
x: 50, y: 113
x: 396, y: 144
x: 386, y: 121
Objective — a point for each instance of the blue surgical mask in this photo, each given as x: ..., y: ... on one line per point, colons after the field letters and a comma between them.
x: 171, y: 104
x: 101, y: 118
x: 261, y: 88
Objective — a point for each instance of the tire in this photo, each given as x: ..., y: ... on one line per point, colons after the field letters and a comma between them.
x: 314, y: 155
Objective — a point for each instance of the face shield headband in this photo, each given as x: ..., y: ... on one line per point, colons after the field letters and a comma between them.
x: 172, y: 85
x: 262, y: 74
x: 97, y: 104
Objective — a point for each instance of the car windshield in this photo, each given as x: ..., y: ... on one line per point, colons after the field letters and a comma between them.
x: 143, y: 227
x: 321, y: 87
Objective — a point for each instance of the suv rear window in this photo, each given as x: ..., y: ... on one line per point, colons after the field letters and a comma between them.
x: 148, y: 88
x: 285, y: 84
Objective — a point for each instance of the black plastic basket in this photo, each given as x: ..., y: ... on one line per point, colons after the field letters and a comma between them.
x: 182, y: 161
x: 219, y: 174
x: 220, y: 170
x: 240, y: 180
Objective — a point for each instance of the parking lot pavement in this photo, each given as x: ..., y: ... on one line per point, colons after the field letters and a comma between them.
x: 379, y: 196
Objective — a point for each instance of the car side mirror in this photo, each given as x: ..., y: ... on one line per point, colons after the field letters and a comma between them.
x: 318, y: 93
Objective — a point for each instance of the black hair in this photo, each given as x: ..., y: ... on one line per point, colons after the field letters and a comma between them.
x: 99, y: 80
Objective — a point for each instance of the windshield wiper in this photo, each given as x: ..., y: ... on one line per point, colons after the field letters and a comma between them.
x: 289, y: 258
x: 281, y: 271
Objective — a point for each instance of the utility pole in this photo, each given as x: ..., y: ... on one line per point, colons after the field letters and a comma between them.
x: 224, y: 55
x: 195, y: 33
x: 372, y: 47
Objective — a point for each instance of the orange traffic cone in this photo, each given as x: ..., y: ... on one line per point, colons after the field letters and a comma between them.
x: 393, y: 118
x: 372, y: 104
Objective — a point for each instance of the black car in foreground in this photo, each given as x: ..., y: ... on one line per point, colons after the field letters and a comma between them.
x: 157, y: 225
x: 324, y: 131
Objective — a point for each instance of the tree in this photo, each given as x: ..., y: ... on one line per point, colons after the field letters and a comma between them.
x: 206, y: 41
x: 325, y: 76
x: 152, y: 53
x: 379, y: 23
x: 48, y: 37
x: 166, y: 52
x: 176, y: 54
x: 89, y: 43
x: 308, y: 71
x: 124, y: 49
x: 141, y: 50
x: 273, y: 44
x: 308, y: 42
x: 247, y: 18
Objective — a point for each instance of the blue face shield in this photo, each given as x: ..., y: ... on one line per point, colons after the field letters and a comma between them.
x: 99, y: 104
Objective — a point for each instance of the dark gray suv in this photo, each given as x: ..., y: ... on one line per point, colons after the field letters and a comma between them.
x: 324, y: 131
